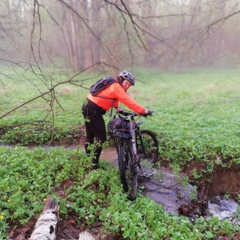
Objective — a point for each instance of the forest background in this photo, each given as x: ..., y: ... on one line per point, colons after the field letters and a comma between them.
x: 165, y: 35
x: 51, y: 48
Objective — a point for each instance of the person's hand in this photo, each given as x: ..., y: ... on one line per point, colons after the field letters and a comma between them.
x: 119, y: 110
x: 148, y: 112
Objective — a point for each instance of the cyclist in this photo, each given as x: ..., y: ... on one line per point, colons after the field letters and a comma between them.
x: 96, y: 106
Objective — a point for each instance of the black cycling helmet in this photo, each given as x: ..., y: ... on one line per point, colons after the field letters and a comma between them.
x: 127, y: 76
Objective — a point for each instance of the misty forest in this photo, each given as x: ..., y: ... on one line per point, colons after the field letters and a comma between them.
x: 165, y: 35
x: 185, y: 55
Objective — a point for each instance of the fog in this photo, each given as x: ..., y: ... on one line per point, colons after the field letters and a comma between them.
x: 165, y: 35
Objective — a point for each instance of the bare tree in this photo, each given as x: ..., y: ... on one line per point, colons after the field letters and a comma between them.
x: 85, y: 32
x: 78, y: 34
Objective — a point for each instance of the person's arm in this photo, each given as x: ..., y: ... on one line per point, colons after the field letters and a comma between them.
x: 122, y: 96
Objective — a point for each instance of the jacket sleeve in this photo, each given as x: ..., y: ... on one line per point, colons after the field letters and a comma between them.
x: 123, y: 97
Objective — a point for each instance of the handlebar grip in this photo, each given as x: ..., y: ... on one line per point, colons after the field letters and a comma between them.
x: 150, y: 112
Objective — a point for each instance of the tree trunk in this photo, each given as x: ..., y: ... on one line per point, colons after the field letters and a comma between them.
x: 46, y: 226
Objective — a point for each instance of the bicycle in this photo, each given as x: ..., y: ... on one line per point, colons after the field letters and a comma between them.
x: 136, y: 149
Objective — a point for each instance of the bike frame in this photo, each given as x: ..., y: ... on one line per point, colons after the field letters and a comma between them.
x: 130, y: 147
x: 135, y: 133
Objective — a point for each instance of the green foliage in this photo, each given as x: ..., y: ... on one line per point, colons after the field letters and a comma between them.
x: 195, y: 114
x: 28, y: 176
x: 36, y: 122
x: 196, y: 118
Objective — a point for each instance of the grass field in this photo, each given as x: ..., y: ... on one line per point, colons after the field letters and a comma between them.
x: 196, y: 114
x: 196, y: 118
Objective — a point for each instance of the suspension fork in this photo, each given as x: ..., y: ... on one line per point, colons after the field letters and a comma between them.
x: 139, y: 137
x: 134, y: 142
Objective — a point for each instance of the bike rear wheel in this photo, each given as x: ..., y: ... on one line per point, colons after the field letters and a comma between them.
x: 127, y: 169
x: 147, y: 147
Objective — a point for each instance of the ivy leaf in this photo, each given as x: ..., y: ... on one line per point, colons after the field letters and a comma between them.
x: 209, y: 235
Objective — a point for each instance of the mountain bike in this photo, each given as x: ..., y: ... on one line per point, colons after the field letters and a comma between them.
x: 137, y: 149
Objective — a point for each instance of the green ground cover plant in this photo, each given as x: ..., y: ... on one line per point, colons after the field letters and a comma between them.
x: 196, y: 118
x: 196, y: 114
x: 29, y: 175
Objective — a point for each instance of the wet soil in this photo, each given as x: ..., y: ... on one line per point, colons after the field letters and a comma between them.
x: 220, y: 182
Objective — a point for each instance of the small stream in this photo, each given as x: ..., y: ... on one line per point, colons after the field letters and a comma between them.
x: 174, y: 194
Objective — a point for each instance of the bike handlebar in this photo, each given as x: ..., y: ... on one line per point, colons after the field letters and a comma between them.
x: 133, y: 114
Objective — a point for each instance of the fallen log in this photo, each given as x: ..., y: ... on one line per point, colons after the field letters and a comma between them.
x: 46, y: 226
x: 86, y: 236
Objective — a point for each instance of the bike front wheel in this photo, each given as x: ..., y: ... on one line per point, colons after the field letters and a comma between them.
x: 147, y: 147
x: 127, y: 169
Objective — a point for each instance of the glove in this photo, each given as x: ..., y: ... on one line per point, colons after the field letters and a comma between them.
x: 148, y: 112
x: 119, y: 110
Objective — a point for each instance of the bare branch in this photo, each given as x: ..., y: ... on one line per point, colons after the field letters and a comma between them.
x: 52, y: 89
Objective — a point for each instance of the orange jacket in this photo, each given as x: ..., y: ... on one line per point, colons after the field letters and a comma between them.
x: 110, y: 97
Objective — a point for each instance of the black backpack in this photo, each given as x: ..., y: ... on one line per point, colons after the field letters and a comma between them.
x: 101, y: 84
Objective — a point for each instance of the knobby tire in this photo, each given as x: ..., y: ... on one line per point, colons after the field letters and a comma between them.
x: 147, y: 149
x: 127, y: 169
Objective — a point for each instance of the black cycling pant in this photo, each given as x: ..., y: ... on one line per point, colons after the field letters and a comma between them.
x: 95, y: 129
